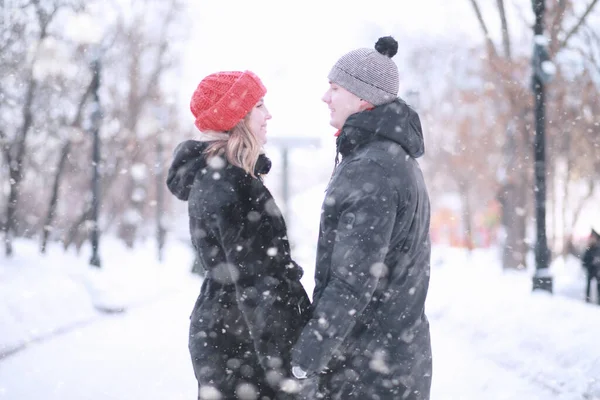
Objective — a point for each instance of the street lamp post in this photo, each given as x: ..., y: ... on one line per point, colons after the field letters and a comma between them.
x: 543, y: 71
x: 96, y: 122
x: 285, y: 145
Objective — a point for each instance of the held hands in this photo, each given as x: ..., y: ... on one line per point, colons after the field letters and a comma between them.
x: 308, y: 384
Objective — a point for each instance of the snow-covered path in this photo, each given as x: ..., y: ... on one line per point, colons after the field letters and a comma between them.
x: 142, y: 354
x: 459, y: 373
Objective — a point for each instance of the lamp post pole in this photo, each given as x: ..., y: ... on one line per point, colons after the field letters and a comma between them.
x: 96, y: 122
x: 542, y: 280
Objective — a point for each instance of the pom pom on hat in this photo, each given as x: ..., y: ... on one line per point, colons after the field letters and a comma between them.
x: 387, y: 46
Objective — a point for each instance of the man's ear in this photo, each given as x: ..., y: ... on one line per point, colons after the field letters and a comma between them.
x: 365, y: 105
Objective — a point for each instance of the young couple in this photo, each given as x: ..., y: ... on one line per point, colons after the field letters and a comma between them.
x: 254, y: 333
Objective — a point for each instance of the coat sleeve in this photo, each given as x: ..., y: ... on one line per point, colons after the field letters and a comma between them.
x: 268, y: 289
x: 367, y: 212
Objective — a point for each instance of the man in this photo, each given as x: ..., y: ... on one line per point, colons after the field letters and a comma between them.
x: 591, y: 262
x: 369, y: 337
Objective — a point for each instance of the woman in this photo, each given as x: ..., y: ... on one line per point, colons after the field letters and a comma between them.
x: 252, y: 305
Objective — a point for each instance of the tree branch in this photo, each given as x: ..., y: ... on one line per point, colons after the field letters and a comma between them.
x: 505, y: 33
x: 578, y: 25
x: 4, y: 146
x: 77, y: 119
x: 162, y: 48
x: 592, y: 41
x: 556, y: 24
x: 486, y: 32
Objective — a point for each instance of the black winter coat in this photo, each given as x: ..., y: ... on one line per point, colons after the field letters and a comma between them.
x: 591, y: 260
x: 369, y: 337
x: 252, y: 305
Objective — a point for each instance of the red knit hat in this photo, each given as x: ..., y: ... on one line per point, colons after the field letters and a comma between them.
x: 223, y: 99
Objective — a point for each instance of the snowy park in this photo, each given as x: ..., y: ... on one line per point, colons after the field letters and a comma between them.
x: 71, y: 332
x: 468, y: 128
x: 490, y: 335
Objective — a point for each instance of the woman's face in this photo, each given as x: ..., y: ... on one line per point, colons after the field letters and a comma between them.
x: 257, y: 121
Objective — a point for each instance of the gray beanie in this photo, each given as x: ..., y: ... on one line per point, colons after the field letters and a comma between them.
x: 369, y: 73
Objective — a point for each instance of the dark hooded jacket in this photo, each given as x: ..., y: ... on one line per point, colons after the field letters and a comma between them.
x: 252, y: 305
x: 591, y: 256
x: 369, y: 336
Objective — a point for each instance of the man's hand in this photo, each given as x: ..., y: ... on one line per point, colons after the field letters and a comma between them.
x: 298, y: 372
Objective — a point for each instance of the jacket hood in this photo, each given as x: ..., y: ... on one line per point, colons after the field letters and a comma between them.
x: 395, y: 121
x: 189, y: 158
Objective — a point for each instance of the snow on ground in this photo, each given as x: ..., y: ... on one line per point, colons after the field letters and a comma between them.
x: 140, y: 354
x: 42, y: 295
x: 492, y: 337
x: 550, y: 341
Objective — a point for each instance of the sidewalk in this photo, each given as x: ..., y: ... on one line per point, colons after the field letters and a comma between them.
x: 545, y: 341
x: 491, y: 336
x: 139, y: 354
x: 41, y: 296
x: 475, y: 357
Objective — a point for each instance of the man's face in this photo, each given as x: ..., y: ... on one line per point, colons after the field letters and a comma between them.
x: 342, y: 104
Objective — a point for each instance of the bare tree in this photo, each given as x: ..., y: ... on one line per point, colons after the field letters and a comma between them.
x: 44, y: 110
x: 15, y: 149
x: 516, y: 100
x: 138, y: 112
x: 60, y: 168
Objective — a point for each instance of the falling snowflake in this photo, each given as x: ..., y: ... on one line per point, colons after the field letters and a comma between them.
x: 247, y: 391
x: 253, y: 216
x: 209, y: 393
x: 290, y: 386
x: 379, y: 270
x: 329, y: 200
x: 225, y: 273
x: 216, y: 162
x: 139, y: 172
x: 378, y: 363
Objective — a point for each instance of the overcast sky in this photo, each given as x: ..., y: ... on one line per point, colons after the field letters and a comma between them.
x: 292, y: 45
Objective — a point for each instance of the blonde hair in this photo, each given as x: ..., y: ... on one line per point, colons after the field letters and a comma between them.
x: 241, y: 149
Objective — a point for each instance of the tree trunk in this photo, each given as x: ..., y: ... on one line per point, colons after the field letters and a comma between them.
x: 15, y: 165
x: 565, y: 195
x: 11, y: 206
x: 511, y: 198
x: 64, y: 153
x: 579, y: 208
x: 74, y: 229
x: 467, y: 216
x: 160, y: 182
x: 505, y: 32
x: 553, y: 232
